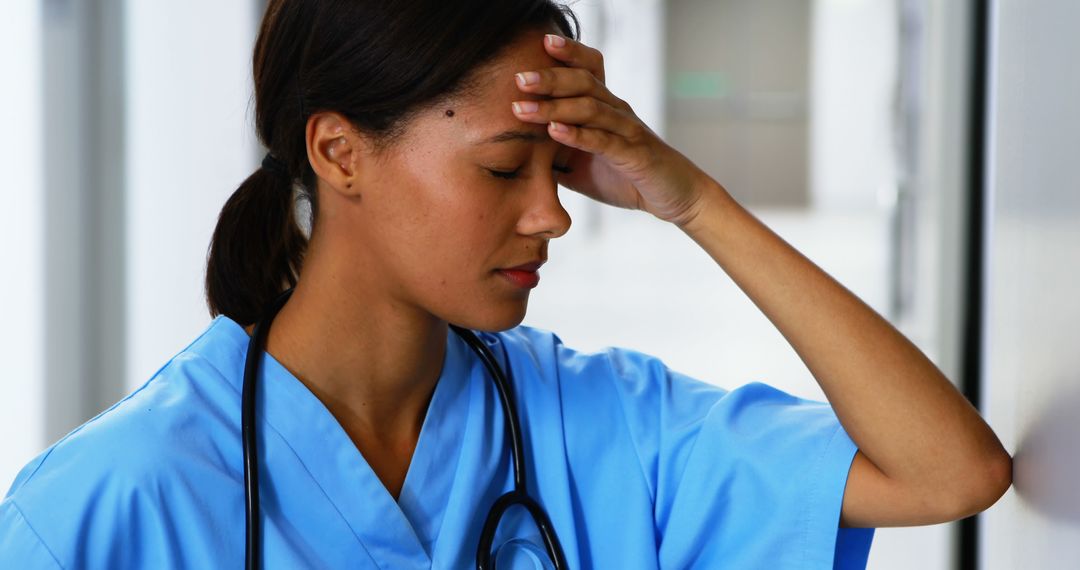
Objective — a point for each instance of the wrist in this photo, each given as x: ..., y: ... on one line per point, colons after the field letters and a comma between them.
x: 711, y: 197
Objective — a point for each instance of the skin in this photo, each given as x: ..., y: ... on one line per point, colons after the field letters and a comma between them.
x: 382, y: 273
x: 407, y: 241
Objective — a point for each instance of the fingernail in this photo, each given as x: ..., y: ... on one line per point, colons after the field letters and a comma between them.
x: 555, y: 41
x: 525, y: 106
x: 558, y: 127
x: 528, y: 77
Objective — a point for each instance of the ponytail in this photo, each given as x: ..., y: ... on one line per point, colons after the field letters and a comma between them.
x: 257, y: 248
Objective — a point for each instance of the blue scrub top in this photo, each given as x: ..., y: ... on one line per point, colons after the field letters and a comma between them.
x: 638, y: 466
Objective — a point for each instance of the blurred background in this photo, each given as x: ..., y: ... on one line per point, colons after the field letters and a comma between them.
x: 919, y: 151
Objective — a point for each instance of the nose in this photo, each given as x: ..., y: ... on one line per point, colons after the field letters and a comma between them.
x: 544, y: 214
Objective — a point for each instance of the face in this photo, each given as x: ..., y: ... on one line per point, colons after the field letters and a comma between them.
x: 468, y: 190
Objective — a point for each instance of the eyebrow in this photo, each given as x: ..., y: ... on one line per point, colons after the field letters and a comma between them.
x: 527, y: 136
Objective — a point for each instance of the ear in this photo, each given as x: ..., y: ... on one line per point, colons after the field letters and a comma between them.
x: 333, y: 147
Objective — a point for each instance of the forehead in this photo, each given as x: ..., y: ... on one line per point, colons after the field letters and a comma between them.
x: 484, y: 116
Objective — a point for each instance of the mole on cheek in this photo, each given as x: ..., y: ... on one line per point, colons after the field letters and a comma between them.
x: 449, y: 112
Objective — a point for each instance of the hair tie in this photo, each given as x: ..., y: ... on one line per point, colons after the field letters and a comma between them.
x: 271, y: 163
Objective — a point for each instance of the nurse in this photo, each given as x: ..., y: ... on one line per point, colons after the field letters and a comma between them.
x: 428, y: 139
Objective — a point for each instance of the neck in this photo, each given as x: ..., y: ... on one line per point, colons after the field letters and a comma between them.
x: 370, y: 358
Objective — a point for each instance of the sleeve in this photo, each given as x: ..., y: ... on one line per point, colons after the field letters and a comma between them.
x: 759, y: 485
x: 20, y: 545
x: 746, y: 478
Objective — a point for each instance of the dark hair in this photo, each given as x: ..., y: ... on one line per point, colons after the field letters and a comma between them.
x: 378, y: 64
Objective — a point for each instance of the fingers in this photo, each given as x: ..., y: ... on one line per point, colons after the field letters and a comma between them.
x: 567, y: 82
x: 582, y: 112
x: 585, y: 111
x: 619, y: 152
x: 576, y: 54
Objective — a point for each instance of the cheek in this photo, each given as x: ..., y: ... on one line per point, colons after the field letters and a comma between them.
x: 443, y: 226
x: 464, y: 213
x: 450, y: 234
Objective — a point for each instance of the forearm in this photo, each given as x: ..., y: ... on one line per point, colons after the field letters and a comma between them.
x: 901, y: 411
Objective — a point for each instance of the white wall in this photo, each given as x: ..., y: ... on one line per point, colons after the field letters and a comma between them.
x: 941, y: 182
x: 191, y: 142
x: 630, y: 35
x: 22, y: 234
x: 852, y: 83
x: 1032, y: 370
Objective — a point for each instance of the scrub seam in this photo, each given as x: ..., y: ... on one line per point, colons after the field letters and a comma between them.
x: 239, y: 349
x: 41, y: 541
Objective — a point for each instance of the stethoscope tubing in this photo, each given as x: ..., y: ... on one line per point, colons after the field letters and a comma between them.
x: 518, y: 496
x: 249, y: 433
x: 520, y: 493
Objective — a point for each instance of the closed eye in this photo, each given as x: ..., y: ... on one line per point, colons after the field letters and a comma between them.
x: 514, y: 173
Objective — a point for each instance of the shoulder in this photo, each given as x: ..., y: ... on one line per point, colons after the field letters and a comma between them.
x: 184, y: 406
x: 181, y: 425
x: 708, y: 455
x: 635, y: 379
x: 646, y: 408
x: 543, y: 350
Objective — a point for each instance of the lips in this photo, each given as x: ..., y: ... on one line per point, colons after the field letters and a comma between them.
x: 531, y: 266
x: 524, y: 276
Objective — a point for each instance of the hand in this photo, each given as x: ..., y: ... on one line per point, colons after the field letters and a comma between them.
x: 617, y: 159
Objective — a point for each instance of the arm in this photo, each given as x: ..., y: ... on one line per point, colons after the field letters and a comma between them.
x: 925, y: 455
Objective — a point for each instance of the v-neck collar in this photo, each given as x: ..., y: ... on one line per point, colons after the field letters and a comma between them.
x: 397, y: 534
x: 426, y: 490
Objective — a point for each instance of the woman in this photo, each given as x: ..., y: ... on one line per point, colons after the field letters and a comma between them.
x: 428, y: 138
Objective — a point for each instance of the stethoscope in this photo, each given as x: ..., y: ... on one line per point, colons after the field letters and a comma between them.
x: 518, y: 496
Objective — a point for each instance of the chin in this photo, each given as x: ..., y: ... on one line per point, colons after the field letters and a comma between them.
x: 508, y: 316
